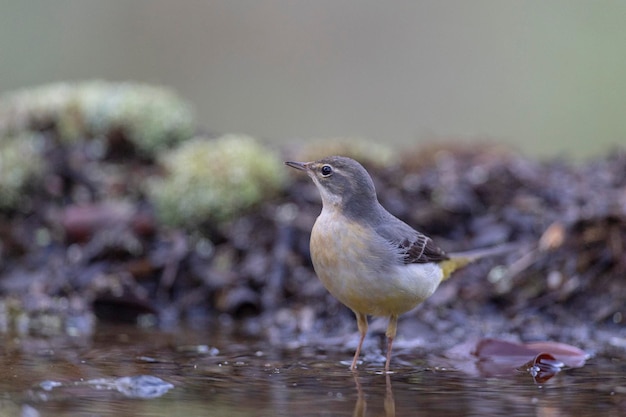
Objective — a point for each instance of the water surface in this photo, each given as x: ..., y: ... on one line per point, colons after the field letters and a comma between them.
x: 123, y: 371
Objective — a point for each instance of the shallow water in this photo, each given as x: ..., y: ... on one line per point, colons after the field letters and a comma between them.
x: 123, y: 371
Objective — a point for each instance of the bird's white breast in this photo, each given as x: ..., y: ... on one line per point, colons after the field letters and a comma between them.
x: 364, y: 271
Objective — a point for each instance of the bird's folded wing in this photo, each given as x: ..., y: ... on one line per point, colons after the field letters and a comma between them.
x: 414, y: 246
x: 422, y: 250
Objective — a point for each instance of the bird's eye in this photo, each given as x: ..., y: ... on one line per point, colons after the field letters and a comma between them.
x: 327, y: 170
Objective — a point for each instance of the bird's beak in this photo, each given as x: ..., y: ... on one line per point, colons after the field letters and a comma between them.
x: 302, y: 166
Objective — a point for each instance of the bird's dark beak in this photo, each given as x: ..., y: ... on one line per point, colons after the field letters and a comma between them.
x: 302, y: 166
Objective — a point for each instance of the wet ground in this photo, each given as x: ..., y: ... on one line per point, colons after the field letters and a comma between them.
x: 123, y: 371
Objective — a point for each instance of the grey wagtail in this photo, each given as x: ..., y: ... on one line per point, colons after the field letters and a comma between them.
x: 371, y: 261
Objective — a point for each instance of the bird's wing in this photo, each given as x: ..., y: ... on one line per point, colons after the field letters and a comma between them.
x: 422, y: 249
x: 414, y: 246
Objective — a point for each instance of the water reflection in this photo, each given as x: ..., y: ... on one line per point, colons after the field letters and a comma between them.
x: 360, y: 405
x: 139, y: 386
x: 210, y: 375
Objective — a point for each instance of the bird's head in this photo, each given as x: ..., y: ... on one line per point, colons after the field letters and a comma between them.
x: 342, y: 182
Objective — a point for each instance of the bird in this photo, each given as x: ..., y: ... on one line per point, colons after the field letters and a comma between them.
x: 371, y: 261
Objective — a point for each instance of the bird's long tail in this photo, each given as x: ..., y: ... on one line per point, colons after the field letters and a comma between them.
x: 458, y: 260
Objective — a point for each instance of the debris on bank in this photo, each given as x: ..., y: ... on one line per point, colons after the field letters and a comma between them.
x: 146, y: 221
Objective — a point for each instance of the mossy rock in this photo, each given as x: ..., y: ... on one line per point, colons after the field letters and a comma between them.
x: 149, y: 117
x: 215, y: 180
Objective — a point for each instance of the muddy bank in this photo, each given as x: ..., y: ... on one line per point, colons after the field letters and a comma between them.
x: 83, y: 239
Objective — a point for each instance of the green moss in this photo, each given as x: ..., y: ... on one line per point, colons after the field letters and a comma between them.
x: 20, y: 163
x: 215, y: 180
x: 150, y: 117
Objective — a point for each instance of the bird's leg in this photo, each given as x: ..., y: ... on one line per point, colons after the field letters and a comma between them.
x: 391, y: 334
x: 361, y: 321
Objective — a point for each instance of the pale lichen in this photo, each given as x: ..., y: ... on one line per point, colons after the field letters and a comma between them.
x: 149, y: 117
x: 214, y: 180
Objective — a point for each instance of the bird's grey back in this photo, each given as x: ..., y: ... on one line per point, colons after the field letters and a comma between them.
x: 361, y: 203
x: 415, y: 246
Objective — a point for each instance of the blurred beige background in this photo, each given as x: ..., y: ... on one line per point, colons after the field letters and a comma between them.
x: 547, y: 76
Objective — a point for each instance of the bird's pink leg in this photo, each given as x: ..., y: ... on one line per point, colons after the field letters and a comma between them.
x: 361, y: 321
x: 391, y: 334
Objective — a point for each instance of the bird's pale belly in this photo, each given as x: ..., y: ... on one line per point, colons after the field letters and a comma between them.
x: 364, y: 274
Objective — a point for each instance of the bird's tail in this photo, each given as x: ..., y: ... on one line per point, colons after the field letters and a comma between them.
x: 458, y: 260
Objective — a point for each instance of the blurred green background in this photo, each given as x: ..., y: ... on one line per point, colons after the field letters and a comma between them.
x: 547, y: 76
